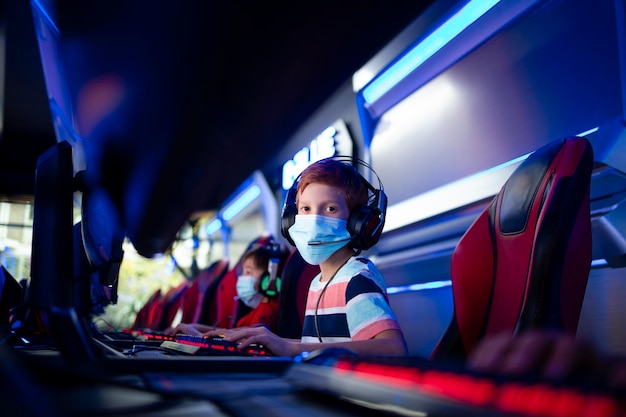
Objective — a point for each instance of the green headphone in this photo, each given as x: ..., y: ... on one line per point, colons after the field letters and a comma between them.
x: 269, y: 288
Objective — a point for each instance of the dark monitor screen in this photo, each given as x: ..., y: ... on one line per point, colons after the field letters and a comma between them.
x: 51, y: 270
x: 10, y: 297
x: 66, y: 287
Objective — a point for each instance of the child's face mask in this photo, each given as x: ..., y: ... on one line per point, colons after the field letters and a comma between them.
x: 318, y: 237
x: 246, y: 291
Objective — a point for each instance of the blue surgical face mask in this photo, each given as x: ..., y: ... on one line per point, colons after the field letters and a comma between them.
x: 246, y: 291
x: 318, y: 237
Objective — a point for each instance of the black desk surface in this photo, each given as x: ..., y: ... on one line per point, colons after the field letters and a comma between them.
x: 42, y: 383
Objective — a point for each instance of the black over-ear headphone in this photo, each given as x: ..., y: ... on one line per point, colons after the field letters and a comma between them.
x: 269, y: 285
x: 366, y: 221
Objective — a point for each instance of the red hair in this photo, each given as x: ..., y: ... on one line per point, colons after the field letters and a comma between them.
x: 339, y: 174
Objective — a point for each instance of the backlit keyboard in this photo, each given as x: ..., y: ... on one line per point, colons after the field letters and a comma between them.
x: 198, y: 345
x: 422, y: 386
x: 201, y: 345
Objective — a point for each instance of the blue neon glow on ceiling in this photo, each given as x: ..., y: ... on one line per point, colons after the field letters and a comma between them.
x: 451, y: 28
x: 241, y: 202
x: 213, y: 226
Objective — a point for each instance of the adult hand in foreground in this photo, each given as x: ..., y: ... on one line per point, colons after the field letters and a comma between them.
x: 548, y: 354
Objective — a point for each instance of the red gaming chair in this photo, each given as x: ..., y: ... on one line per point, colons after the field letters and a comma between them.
x: 525, y: 261
x: 169, y: 305
x: 227, y: 307
x: 199, y: 296
x: 146, y: 316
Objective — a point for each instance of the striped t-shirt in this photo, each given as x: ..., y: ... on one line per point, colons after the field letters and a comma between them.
x: 354, y: 306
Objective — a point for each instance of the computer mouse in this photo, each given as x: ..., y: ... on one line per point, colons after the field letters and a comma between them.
x: 324, y: 356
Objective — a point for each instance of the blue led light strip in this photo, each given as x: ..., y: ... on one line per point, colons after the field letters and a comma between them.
x: 451, y: 28
x: 599, y: 262
x: 213, y: 226
x: 419, y: 287
x: 44, y: 13
x: 246, y: 198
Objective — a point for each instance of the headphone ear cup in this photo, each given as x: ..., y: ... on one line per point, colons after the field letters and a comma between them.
x: 288, y: 216
x: 287, y: 220
x: 357, y: 225
x: 364, y: 226
x: 269, y: 289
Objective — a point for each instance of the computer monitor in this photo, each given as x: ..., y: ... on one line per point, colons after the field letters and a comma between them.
x: 10, y: 297
x: 68, y: 271
x: 51, y: 269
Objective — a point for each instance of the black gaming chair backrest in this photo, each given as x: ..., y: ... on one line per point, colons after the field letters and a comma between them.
x: 525, y: 261
x: 297, y: 276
